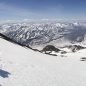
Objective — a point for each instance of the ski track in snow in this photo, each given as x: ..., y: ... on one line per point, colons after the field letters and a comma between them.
x: 29, y: 68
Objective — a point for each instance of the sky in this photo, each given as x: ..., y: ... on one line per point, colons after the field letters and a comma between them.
x: 42, y: 9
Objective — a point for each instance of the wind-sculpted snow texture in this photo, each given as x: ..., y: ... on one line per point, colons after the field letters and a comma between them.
x: 43, y: 33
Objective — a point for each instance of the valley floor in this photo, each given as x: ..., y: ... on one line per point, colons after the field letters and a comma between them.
x: 25, y: 67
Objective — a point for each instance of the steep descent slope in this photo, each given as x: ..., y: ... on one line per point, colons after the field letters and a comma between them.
x: 29, y: 68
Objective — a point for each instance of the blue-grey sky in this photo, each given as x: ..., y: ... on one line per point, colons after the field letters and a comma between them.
x: 42, y: 9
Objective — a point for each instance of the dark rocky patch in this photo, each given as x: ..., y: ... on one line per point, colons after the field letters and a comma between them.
x: 74, y: 48
x: 51, y: 54
x: 83, y: 59
x: 50, y: 48
x: 63, y: 52
x: 4, y: 73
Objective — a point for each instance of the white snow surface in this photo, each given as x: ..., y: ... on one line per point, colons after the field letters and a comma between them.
x: 30, y: 68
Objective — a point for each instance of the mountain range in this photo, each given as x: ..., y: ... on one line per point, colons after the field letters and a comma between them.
x: 39, y: 34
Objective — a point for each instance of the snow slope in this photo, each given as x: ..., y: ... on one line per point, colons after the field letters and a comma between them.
x: 29, y: 68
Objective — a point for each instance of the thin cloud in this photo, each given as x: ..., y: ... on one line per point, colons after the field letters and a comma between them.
x: 10, y: 11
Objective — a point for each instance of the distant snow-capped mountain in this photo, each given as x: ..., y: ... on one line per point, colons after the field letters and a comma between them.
x: 43, y: 33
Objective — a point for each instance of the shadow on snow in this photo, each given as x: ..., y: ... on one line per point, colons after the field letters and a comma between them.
x: 4, y: 73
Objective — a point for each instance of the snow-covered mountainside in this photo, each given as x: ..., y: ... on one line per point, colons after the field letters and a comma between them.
x: 44, y: 33
x: 23, y: 67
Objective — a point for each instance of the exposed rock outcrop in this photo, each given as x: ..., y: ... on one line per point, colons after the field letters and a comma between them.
x: 50, y: 48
